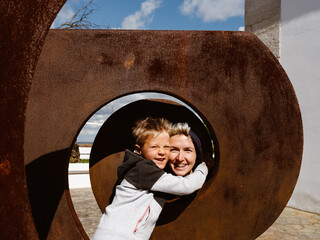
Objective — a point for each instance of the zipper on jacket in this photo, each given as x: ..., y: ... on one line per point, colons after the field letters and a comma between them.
x: 145, y: 212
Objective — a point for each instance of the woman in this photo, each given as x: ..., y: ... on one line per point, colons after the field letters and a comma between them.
x: 185, y: 155
x: 185, y: 150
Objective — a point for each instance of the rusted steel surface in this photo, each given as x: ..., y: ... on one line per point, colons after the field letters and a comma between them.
x: 23, y: 27
x: 233, y: 81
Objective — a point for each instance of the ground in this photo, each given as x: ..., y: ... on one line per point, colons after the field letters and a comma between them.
x: 291, y: 225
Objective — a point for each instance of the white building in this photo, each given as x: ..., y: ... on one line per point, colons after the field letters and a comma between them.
x: 291, y: 29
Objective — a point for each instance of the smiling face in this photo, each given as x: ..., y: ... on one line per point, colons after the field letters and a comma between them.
x: 182, y: 155
x: 156, y: 148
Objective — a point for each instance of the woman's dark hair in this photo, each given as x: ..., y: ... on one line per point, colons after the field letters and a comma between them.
x: 198, y: 146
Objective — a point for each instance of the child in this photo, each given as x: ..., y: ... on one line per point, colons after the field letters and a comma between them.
x: 136, y: 207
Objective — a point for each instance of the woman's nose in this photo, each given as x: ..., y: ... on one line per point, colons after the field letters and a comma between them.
x: 180, y: 156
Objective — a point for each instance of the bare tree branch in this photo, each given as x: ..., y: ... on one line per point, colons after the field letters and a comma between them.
x: 80, y: 19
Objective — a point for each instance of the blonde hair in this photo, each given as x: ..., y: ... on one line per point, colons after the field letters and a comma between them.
x: 180, y: 129
x: 149, y: 127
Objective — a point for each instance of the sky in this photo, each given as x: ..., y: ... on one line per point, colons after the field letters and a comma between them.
x: 221, y: 15
x: 160, y: 14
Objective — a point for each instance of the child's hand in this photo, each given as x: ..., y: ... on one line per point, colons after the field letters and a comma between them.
x: 208, y: 161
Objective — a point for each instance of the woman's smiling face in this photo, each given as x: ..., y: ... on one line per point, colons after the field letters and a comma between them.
x: 182, y: 156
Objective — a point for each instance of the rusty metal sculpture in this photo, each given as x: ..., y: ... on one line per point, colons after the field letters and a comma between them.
x: 23, y: 28
x: 230, y: 78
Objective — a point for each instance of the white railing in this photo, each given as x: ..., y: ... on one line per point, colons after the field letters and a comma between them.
x: 79, y: 175
x: 84, y: 152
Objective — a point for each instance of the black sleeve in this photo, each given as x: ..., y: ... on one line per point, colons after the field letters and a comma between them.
x: 144, y: 174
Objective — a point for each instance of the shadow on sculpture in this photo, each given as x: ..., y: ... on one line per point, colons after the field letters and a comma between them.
x: 44, y: 176
x: 174, y: 208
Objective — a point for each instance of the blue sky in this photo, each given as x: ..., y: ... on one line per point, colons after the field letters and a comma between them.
x: 225, y: 15
x: 161, y: 14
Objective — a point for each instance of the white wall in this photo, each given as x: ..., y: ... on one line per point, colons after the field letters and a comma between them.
x: 79, y: 175
x: 300, y: 57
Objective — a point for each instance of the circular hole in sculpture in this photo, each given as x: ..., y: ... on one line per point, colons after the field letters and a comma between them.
x: 96, y: 141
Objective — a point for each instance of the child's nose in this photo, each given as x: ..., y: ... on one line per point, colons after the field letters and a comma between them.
x: 161, y: 150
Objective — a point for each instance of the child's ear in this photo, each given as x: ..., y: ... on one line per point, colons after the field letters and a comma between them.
x: 137, y: 149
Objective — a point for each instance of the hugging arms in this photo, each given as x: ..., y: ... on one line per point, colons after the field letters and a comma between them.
x: 135, y: 208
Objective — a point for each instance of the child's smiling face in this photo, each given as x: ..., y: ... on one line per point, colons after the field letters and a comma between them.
x: 156, y: 148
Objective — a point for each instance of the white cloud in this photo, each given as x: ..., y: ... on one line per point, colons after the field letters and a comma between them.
x: 140, y: 18
x: 89, y: 131
x: 242, y: 28
x: 94, y: 124
x: 213, y: 10
x: 65, y: 14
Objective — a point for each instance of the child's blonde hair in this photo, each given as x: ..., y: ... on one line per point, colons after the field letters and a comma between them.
x: 149, y: 127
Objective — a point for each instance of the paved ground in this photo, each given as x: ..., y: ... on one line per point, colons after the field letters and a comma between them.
x: 291, y: 225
